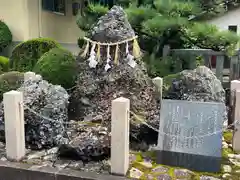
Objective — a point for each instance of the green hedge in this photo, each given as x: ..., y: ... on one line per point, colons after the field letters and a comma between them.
x: 10, y: 81
x: 5, y: 36
x: 57, y: 66
x: 25, y: 55
x: 4, y: 64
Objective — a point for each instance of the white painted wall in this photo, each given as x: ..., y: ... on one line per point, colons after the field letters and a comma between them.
x: 229, y: 19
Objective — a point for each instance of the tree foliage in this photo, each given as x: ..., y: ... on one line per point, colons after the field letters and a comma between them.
x: 160, y: 22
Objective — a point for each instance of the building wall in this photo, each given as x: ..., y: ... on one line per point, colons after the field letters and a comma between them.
x: 13, y: 13
x: 26, y: 19
x: 228, y: 19
x: 62, y: 28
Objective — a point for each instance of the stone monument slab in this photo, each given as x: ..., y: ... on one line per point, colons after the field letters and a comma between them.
x: 190, y: 135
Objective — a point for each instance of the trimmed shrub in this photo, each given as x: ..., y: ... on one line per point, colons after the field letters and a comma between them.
x: 57, y: 66
x: 10, y: 81
x: 5, y: 36
x: 4, y: 64
x: 25, y: 55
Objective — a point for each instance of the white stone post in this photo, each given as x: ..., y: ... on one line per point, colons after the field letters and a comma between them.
x: 120, y: 136
x: 235, y: 84
x: 158, y: 82
x: 14, y: 125
x: 236, y: 134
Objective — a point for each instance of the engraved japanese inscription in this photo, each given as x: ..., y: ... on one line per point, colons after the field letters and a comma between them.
x: 190, y: 128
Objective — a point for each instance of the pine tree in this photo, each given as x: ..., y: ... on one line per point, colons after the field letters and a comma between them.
x: 160, y: 22
x: 177, y: 23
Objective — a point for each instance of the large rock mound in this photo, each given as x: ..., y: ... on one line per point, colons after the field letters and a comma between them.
x: 45, y: 111
x: 199, y: 84
x: 96, y: 88
x: 112, y: 27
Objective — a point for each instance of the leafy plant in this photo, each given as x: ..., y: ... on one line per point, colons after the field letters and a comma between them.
x: 4, y: 64
x: 5, y: 36
x: 170, y: 22
x: 25, y: 55
x: 58, y: 66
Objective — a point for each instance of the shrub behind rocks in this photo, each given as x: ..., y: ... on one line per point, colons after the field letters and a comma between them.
x: 25, y: 55
x: 5, y: 36
x: 4, y: 64
x: 58, y: 66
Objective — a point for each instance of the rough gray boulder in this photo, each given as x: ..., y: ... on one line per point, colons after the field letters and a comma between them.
x: 199, y: 84
x: 45, y: 111
x: 91, y: 143
x: 96, y: 88
x: 112, y: 27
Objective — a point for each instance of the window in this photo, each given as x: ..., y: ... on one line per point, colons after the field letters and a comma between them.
x: 57, y: 6
x: 76, y: 7
x: 232, y: 28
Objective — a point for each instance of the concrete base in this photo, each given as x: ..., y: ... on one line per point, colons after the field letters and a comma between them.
x: 20, y: 171
x: 189, y: 161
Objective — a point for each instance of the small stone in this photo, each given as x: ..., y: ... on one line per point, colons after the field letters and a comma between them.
x: 226, y: 175
x: 160, y: 169
x: 3, y: 159
x: 180, y: 173
x: 235, y: 162
x: 227, y: 169
x: 230, y: 145
x: 45, y: 164
x: 208, y: 178
x: 76, y: 165
x: 2, y: 146
x: 61, y: 164
x: 225, y: 145
x: 237, y: 156
x: 237, y: 171
x: 135, y: 173
x: 231, y: 155
x: 34, y: 161
x: 50, y: 157
x: 93, y: 167
x: 132, y: 158
x: 53, y: 150
x: 36, y: 155
x: 146, y: 164
x: 164, y: 177
x: 150, y: 177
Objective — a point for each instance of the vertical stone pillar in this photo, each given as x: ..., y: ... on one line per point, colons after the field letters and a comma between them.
x: 220, y: 67
x: 236, y: 134
x: 14, y: 125
x: 158, y: 82
x: 120, y: 136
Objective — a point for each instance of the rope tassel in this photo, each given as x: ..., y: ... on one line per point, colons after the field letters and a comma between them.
x: 92, y: 59
x: 84, y: 54
x: 116, y: 55
x: 136, y: 49
x: 107, y: 66
x: 98, y: 52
